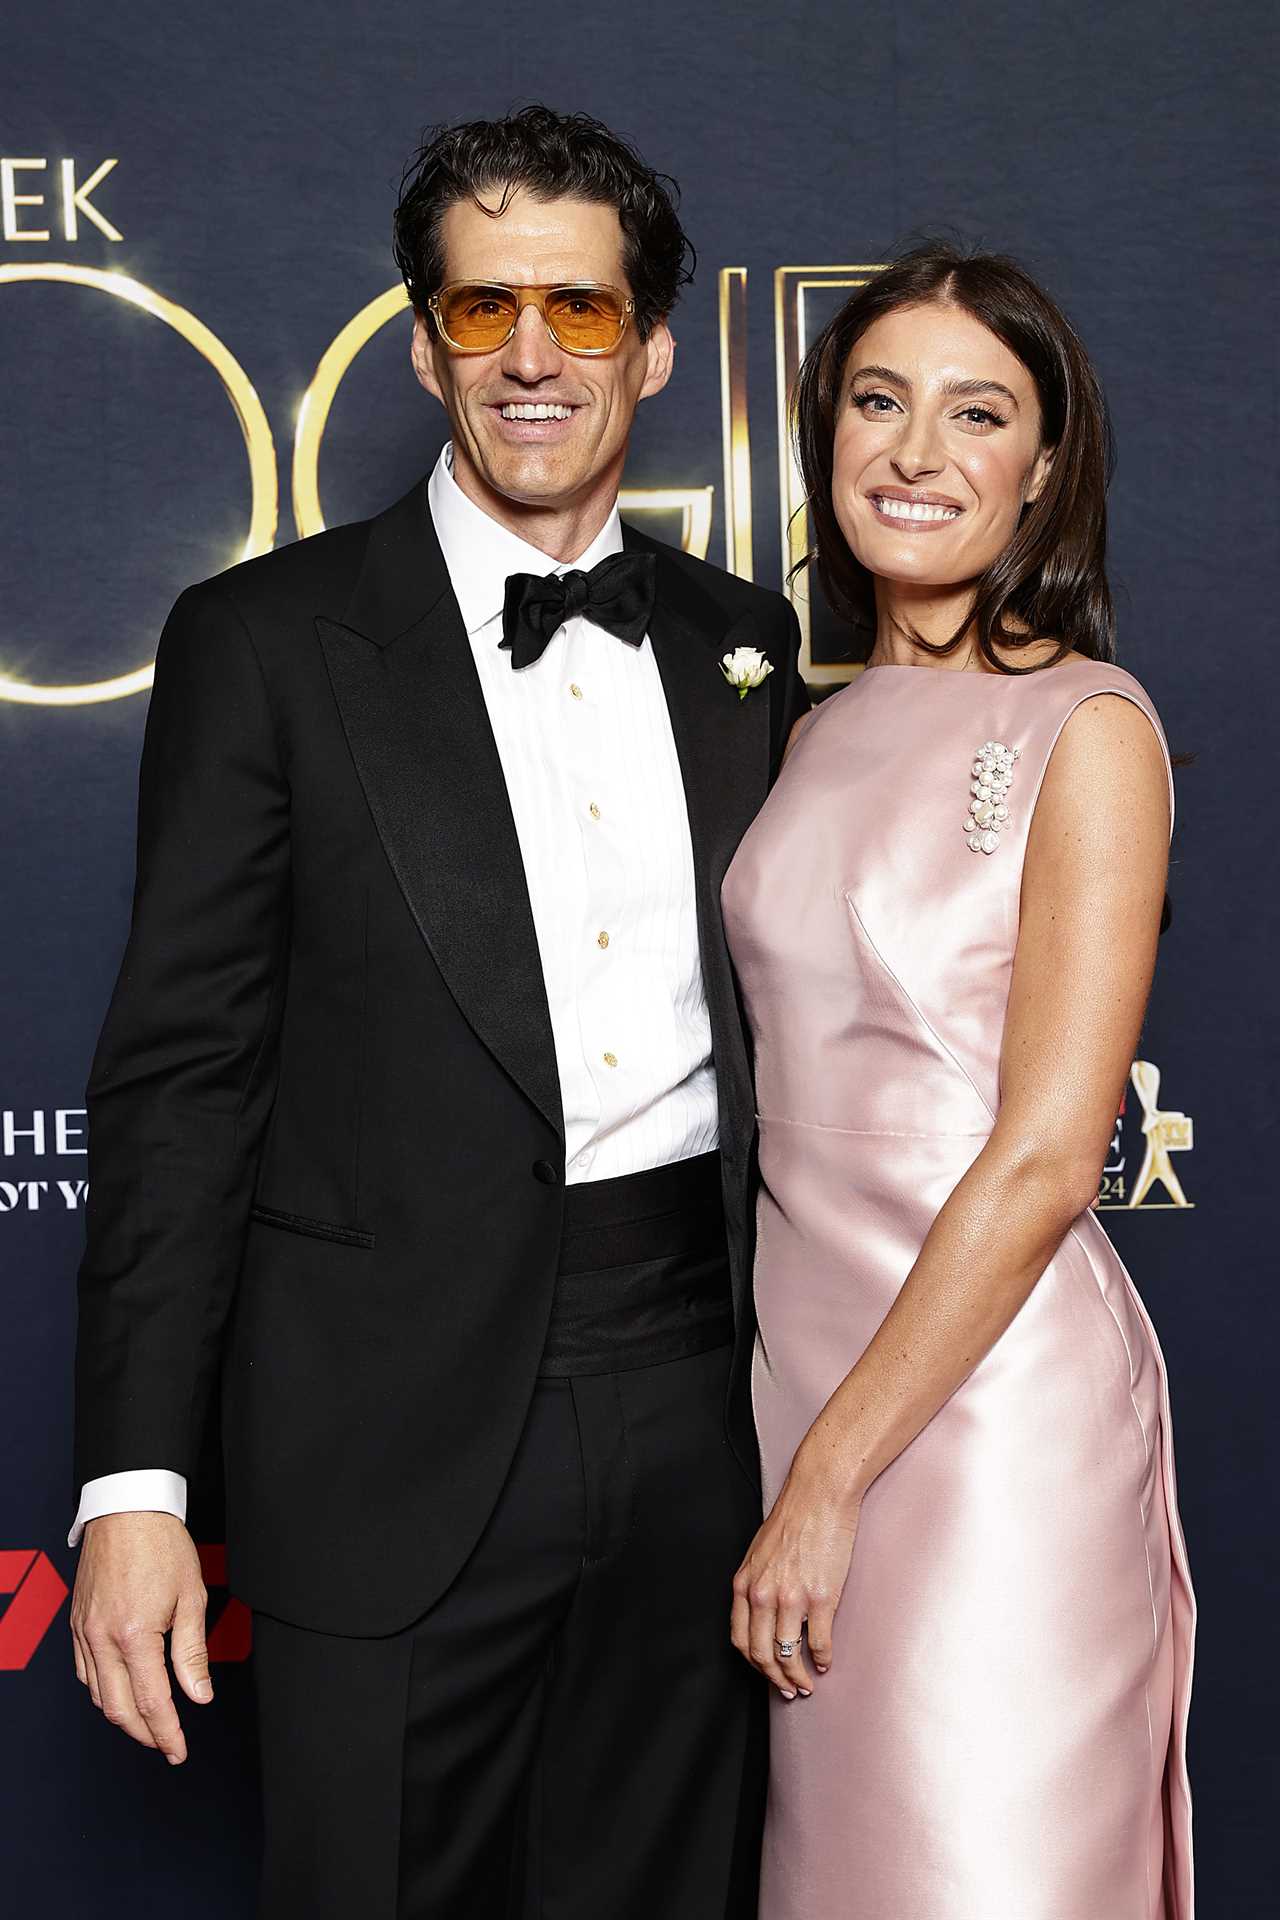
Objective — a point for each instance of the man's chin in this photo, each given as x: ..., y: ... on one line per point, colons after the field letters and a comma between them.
x: 533, y: 476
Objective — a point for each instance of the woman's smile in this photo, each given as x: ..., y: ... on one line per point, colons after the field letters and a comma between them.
x: 912, y: 511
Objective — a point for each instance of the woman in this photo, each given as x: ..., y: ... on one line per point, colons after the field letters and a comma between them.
x: 945, y: 924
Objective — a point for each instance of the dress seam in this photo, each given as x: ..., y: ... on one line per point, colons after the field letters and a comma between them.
x: 1148, y: 1451
x: 919, y: 1012
x: 870, y: 1133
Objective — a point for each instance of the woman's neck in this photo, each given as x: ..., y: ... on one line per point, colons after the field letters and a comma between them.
x: 930, y: 614
x: 935, y: 615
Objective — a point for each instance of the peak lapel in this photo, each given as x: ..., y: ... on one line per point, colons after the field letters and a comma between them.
x: 406, y: 687
x: 723, y: 747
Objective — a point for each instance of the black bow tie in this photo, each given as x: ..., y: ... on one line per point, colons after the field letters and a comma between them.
x: 616, y: 595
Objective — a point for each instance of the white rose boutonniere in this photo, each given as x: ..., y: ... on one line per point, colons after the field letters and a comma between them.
x: 744, y: 668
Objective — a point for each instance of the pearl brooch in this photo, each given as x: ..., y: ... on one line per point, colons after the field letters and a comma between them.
x: 991, y: 777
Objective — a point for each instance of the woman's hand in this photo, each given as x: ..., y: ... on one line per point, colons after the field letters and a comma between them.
x: 794, y: 1571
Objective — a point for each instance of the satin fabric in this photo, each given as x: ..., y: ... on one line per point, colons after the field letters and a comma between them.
x: 1002, y: 1733
x: 616, y: 594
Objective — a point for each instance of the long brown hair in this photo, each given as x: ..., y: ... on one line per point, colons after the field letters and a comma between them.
x: 1051, y: 580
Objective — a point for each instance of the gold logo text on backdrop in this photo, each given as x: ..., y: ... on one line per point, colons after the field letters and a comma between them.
x: 41, y: 197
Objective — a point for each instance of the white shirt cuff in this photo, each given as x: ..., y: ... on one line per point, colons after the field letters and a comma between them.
x: 142, y: 1490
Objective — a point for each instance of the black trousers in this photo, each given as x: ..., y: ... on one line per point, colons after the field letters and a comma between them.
x: 567, y: 1734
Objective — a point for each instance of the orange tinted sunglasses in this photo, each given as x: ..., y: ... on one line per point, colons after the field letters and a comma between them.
x: 479, y: 316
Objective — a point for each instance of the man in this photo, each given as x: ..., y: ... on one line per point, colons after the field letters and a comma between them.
x: 422, y: 1116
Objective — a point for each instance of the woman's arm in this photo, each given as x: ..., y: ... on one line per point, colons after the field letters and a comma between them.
x: 795, y: 733
x: 1093, y: 884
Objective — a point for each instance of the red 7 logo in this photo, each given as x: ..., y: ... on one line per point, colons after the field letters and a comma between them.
x: 37, y: 1592
x: 231, y: 1635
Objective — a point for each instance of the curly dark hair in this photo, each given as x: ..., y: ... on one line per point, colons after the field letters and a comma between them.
x: 552, y: 156
x: 1051, y: 579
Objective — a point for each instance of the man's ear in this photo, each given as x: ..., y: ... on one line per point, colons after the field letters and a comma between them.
x: 422, y: 354
x: 1039, y: 474
x: 660, y: 354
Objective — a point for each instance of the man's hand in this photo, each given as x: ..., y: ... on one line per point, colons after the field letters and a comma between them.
x: 139, y: 1578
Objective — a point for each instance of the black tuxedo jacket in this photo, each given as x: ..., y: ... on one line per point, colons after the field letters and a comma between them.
x: 326, y: 1151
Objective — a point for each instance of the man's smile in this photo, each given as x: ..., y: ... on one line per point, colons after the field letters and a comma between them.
x: 533, y: 422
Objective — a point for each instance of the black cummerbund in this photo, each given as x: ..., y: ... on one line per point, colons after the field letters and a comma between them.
x: 644, y: 1271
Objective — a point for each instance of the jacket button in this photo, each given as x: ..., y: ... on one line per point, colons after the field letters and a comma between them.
x: 544, y: 1171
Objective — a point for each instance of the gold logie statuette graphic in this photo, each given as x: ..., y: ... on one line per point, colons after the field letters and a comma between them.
x: 1163, y: 1132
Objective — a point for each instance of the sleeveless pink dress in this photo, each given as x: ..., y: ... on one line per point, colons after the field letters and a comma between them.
x: 1002, y: 1733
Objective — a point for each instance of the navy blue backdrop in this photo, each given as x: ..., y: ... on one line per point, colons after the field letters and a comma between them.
x: 176, y: 370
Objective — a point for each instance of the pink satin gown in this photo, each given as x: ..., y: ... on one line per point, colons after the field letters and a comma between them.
x: 1002, y: 1733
